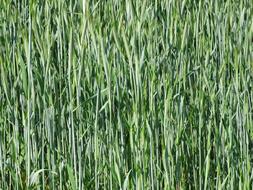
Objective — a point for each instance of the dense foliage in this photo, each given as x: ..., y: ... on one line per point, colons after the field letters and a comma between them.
x: 126, y: 94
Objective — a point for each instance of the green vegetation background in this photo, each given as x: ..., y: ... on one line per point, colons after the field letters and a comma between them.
x: 124, y: 94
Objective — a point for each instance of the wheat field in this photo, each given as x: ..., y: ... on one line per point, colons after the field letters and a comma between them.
x: 126, y: 94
